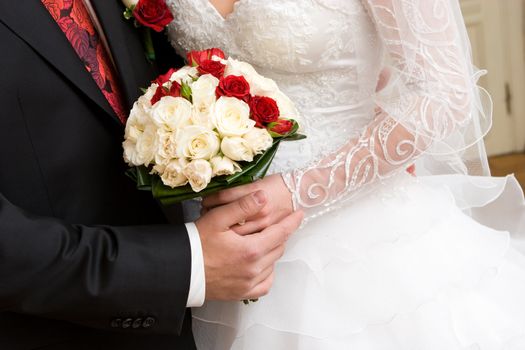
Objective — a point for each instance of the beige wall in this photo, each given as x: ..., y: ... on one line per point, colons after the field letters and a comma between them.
x: 496, y: 30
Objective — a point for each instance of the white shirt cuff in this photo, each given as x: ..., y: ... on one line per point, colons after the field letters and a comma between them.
x: 197, y: 292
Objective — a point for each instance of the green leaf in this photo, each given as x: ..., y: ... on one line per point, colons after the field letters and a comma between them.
x: 295, y: 137
x: 132, y: 174
x: 144, y: 90
x: 185, y: 91
x: 256, y: 163
x: 144, y: 178
x: 275, y: 135
x: 295, y: 128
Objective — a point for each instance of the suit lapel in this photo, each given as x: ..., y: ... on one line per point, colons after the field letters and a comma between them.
x: 127, y: 49
x: 31, y: 21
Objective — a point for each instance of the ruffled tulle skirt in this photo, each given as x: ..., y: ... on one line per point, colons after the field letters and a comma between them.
x: 422, y: 263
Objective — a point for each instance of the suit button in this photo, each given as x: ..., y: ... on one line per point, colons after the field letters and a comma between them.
x: 149, y: 322
x: 127, y: 323
x: 116, y: 323
x: 137, y: 323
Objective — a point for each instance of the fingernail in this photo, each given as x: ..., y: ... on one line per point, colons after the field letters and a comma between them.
x: 259, y: 197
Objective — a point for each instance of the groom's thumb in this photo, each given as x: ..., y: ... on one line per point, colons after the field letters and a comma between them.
x: 238, y: 211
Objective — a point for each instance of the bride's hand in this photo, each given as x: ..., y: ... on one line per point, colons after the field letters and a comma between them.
x: 279, y: 204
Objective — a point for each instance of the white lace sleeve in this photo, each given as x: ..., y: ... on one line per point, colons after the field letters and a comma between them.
x: 429, y: 98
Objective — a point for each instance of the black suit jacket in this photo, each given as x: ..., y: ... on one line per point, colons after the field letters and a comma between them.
x: 86, y: 260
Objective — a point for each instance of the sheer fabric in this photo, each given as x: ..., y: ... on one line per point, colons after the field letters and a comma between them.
x: 431, y: 107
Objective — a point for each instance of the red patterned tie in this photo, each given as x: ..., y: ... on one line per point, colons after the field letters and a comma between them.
x: 74, y: 20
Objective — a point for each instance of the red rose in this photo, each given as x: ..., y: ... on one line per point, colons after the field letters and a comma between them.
x: 214, y: 68
x: 264, y: 110
x: 281, y: 127
x: 233, y: 86
x: 164, y: 91
x: 164, y: 78
x: 195, y: 58
x: 153, y: 14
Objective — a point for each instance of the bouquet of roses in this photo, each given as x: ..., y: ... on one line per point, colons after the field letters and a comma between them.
x: 212, y: 124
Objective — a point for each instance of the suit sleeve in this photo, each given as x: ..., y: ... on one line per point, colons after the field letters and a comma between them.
x: 131, y: 279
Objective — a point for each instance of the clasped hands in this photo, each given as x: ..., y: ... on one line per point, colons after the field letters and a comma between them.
x: 239, y: 259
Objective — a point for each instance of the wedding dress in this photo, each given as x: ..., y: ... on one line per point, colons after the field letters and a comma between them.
x: 384, y: 260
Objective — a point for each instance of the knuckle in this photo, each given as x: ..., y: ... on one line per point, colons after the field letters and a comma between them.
x: 247, y: 287
x: 267, y: 221
x: 266, y: 211
x: 222, y: 196
x: 256, y: 271
x: 206, y: 201
x: 251, y: 273
x: 251, y: 253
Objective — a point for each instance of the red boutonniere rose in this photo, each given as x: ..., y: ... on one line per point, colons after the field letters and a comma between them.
x: 151, y: 14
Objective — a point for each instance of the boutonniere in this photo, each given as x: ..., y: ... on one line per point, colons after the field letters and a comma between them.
x: 148, y: 15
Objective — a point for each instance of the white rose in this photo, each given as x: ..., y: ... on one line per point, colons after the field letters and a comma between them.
x: 130, y: 3
x: 133, y: 132
x: 135, y: 124
x: 166, y: 146
x: 130, y: 153
x: 173, y: 173
x: 224, y: 166
x: 259, y: 85
x: 139, y: 117
x: 199, y: 174
x: 146, y: 146
x: 259, y: 140
x: 171, y: 113
x: 145, y: 100
x: 237, y: 148
x: 232, y: 117
x: 185, y: 74
x: 158, y: 168
x: 197, y: 142
x: 204, y: 98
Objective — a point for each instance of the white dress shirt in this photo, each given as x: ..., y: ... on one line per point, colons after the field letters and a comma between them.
x: 197, y: 290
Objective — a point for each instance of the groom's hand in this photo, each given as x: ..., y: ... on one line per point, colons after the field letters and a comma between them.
x: 278, y: 206
x: 241, y: 267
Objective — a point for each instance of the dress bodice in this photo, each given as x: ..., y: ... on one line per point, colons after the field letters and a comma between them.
x: 324, y: 54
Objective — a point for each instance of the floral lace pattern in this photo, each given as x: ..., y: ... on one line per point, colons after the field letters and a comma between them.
x: 327, y: 55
